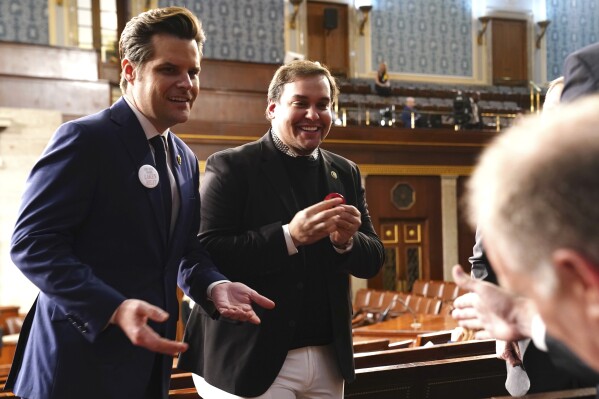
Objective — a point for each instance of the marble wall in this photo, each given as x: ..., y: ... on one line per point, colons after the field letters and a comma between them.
x: 21, y: 144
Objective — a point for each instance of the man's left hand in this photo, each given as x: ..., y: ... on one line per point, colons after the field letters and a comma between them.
x: 348, y: 222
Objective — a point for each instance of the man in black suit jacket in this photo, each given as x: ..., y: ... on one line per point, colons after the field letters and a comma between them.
x: 266, y: 223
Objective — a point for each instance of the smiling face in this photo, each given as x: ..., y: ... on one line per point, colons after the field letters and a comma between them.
x: 302, y: 116
x: 165, y: 87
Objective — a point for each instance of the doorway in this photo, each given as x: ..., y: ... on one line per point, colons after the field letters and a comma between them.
x: 328, y: 35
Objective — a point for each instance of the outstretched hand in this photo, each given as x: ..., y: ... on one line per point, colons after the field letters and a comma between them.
x: 234, y: 301
x: 132, y: 317
x: 492, y: 310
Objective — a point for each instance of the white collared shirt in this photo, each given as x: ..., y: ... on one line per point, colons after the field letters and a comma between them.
x: 150, y: 132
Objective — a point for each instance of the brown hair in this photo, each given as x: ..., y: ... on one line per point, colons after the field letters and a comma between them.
x: 299, y: 69
x: 135, y: 43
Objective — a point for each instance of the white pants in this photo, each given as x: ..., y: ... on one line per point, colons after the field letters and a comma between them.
x: 308, y: 373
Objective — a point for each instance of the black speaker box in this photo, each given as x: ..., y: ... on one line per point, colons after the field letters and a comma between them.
x: 331, y: 17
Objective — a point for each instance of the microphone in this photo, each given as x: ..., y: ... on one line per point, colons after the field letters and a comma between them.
x: 385, y: 313
x: 415, y: 324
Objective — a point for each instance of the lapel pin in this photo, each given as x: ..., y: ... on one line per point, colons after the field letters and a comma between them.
x: 179, y: 159
x: 148, y: 176
x: 333, y: 174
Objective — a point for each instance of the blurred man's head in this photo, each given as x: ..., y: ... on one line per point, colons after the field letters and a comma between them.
x: 535, y: 197
x: 410, y: 102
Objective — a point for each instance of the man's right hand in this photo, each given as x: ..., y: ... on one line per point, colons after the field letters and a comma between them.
x: 491, y: 309
x: 132, y: 317
x: 315, y: 222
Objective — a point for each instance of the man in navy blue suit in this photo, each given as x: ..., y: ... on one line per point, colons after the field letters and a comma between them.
x: 105, y: 246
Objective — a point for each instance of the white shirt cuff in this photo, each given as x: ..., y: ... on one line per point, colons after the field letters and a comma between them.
x: 291, y: 248
x: 538, y: 330
x: 350, y: 245
x: 211, y: 286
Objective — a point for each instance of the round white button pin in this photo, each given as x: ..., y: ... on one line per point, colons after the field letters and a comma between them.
x: 148, y: 176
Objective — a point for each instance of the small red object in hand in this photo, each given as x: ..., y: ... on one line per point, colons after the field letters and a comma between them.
x: 334, y: 195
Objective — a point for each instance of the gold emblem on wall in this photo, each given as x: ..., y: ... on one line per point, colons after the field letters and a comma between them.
x: 390, y: 233
x: 412, y: 233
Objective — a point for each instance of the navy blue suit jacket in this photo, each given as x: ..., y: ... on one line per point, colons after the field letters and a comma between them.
x: 90, y: 235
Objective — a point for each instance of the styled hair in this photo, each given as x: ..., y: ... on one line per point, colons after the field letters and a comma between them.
x: 296, y: 70
x: 536, y: 189
x: 135, y: 43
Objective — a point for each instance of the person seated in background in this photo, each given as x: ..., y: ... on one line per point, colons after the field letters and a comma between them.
x: 382, y: 85
x: 476, y: 121
x: 409, y: 112
x: 534, y: 196
x: 462, y: 110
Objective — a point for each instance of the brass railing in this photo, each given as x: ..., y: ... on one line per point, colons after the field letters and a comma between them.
x: 535, y: 97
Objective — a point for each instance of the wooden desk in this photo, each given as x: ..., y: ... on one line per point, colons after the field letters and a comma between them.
x: 402, y: 327
x: 9, y: 346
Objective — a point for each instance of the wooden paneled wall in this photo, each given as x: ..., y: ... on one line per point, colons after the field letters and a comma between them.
x: 55, y: 78
x: 230, y: 112
x: 425, y: 211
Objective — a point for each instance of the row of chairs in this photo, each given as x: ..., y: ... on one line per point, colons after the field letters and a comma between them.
x: 446, y: 290
x: 373, y: 101
x: 518, y: 94
x: 426, y: 297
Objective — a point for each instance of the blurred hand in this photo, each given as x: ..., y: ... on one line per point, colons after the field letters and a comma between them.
x: 491, y: 309
x: 234, y: 301
x: 316, y: 222
x: 132, y: 317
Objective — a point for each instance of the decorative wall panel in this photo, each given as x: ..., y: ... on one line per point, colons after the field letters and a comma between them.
x: 574, y: 24
x: 431, y: 37
x: 24, y: 21
x: 240, y: 30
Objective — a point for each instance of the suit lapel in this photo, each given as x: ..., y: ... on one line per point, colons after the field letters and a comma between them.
x: 181, y: 175
x: 134, y: 139
x: 332, y: 175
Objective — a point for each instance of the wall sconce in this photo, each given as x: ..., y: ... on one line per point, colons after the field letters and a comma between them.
x: 543, y: 26
x: 293, y: 17
x: 485, y: 22
x: 365, y: 10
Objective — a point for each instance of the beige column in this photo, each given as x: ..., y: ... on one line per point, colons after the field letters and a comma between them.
x: 449, y: 212
x: 23, y: 139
